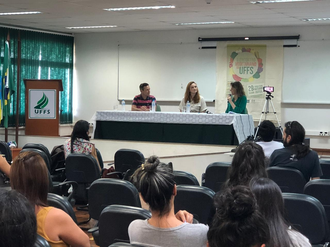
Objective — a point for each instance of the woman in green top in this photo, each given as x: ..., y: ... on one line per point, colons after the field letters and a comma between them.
x: 237, y: 100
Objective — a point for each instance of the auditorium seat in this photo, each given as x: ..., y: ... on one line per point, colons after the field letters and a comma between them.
x: 41, y: 242
x: 215, y: 175
x: 184, y: 178
x: 325, y: 166
x: 127, y: 161
x: 4, y: 149
x: 57, y: 201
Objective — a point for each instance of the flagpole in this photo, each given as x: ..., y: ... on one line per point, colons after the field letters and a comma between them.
x: 6, y: 129
x: 18, y: 84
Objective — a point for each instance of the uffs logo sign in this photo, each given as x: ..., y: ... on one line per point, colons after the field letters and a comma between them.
x: 41, y: 104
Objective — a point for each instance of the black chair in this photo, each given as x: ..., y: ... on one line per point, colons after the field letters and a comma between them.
x: 181, y: 177
x: 215, y: 175
x: 84, y: 170
x: 127, y: 161
x: 114, y: 222
x: 325, y: 166
x: 41, y: 153
x: 41, y: 147
x: 41, y: 242
x: 196, y: 200
x: 61, y: 203
x: 99, y: 158
x: 288, y: 179
x: 307, y: 215
x: 320, y: 189
x: 4, y: 149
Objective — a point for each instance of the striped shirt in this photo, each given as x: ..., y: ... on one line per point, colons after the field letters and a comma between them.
x: 138, y: 101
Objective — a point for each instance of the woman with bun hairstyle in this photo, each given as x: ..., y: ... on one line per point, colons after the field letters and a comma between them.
x: 155, y: 181
x: 271, y: 206
x: 237, y: 100
x: 197, y: 102
x: 237, y: 221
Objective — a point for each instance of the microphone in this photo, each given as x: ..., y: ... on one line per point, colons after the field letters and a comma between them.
x: 229, y: 96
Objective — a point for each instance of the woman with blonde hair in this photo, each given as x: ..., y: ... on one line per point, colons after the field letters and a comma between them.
x: 197, y: 102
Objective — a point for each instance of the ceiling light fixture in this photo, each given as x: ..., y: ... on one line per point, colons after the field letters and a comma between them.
x: 317, y: 19
x: 88, y: 27
x: 21, y: 13
x: 141, y: 8
x: 204, y: 23
x: 279, y: 1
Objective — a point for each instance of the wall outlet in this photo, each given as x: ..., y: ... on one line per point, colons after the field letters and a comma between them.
x: 321, y: 133
x: 326, y: 133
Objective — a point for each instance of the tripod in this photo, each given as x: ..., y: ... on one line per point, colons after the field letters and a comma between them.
x: 265, y: 111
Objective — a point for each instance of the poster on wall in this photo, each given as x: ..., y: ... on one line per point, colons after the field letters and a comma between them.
x: 42, y: 104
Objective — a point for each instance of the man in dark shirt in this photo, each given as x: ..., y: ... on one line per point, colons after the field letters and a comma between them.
x: 296, y: 154
x: 143, y: 101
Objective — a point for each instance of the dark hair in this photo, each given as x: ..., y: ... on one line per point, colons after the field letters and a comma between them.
x: 248, y: 162
x: 80, y: 130
x: 142, y: 85
x: 237, y: 221
x: 238, y: 87
x: 29, y: 176
x: 297, y: 133
x: 267, y: 131
x: 187, y: 94
x: 18, y: 225
x: 271, y: 206
x: 155, y: 181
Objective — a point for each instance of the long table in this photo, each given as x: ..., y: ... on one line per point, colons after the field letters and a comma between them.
x: 222, y: 129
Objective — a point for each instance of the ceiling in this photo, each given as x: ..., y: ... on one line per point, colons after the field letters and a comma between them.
x: 58, y: 14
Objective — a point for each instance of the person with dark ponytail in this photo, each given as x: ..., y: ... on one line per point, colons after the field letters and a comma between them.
x: 271, y: 206
x: 296, y: 154
x: 237, y: 221
x: 155, y: 182
x: 79, y: 141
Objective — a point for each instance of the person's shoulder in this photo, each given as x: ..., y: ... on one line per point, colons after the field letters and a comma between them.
x: 298, y: 239
x: 277, y: 144
x: 57, y: 215
x: 137, y: 223
x: 197, y: 227
x: 137, y: 96
x: 152, y: 97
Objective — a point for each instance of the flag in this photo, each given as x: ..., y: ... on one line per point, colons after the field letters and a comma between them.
x: 7, y: 85
x: 1, y: 101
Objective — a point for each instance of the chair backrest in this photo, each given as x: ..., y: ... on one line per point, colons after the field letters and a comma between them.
x: 325, y: 166
x: 114, y: 222
x: 216, y: 175
x: 197, y: 200
x: 307, y: 215
x: 320, y: 189
x: 41, y: 242
x: 181, y: 177
x: 99, y: 158
x: 106, y: 191
x: 61, y: 203
x: 4, y: 149
x: 40, y: 147
x: 127, y: 161
x: 57, y: 158
x: 288, y: 179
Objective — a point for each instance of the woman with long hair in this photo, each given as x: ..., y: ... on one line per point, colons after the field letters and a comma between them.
x: 271, y: 206
x: 237, y: 100
x: 197, y: 102
x: 155, y: 181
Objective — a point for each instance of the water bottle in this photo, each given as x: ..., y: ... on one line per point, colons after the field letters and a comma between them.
x: 153, y: 106
x: 123, y: 105
x: 188, y: 107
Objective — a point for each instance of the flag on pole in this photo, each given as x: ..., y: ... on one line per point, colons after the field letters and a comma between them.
x: 7, y: 85
x: 1, y: 100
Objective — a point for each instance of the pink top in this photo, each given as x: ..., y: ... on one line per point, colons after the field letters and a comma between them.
x: 80, y: 146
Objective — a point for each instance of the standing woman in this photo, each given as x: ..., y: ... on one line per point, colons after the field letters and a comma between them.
x: 197, y: 102
x: 237, y: 100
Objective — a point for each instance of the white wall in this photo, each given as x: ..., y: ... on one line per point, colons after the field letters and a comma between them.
x: 96, y: 70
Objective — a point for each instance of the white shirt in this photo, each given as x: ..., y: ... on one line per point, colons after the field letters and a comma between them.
x: 269, y: 147
x: 194, y: 107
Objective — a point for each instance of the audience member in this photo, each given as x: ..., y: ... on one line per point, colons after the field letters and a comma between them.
x: 164, y: 228
x: 29, y: 176
x: 197, y: 102
x: 271, y: 206
x: 18, y: 226
x: 237, y: 221
x: 237, y: 100
x: 143, y: 101
x: 296, y: 154
x: 79, y: 141
x: 267, y: 132
x: 248, y: 162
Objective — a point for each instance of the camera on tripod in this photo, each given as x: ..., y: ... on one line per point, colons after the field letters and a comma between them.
x: 268, y: 89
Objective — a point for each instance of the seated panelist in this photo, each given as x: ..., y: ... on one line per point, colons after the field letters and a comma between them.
x: 237, y: 100
x: 197, y: 102
x: 143, y: 101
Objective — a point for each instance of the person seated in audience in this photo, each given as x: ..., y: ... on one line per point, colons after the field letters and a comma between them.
x: 296, y: 154
x: 164, y: 228
x: 266, y: 133
x: 18, y: 225
x: 271, y: 206
x: 79, y: 141
x: 197, y: 102
x: 29, y: 176
x: 237, y: 100
x: 237, y: 221
x: 143, y: 101
x: 248, y: 162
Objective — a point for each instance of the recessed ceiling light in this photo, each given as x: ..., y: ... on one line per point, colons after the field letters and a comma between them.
x: 88, y: 27
x: 141, y: 8
x: 317, y: 19
x: 21, y: 13
x: 204, y: 23
x: 279, y: 1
